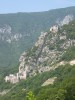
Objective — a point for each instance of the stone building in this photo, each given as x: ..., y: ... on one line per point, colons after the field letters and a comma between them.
x: 12, y: 78
x: 54, y: 29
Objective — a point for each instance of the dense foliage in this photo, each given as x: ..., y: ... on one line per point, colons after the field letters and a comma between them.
x: 70, y: 29
x: 70, y: 54
x: 62, y: 89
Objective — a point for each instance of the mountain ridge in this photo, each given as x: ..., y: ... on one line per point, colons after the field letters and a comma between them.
x: 40, y: 11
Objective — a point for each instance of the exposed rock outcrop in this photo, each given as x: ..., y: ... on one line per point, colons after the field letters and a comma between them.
x: 44, y: 56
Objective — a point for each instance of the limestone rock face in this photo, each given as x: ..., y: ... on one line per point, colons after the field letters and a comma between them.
x: 65, y: 20
x: 47, y: 51
x: 7, y: 35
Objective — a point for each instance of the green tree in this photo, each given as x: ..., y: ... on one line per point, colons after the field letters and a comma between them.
x: 61, y: 94
x: 30, y: 96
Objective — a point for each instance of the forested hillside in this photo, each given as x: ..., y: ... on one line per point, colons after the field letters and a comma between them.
x: 19, y: 31
x: 55, y: 84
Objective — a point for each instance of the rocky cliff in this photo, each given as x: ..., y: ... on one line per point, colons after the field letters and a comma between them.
x: 46, y: 54
x: 19, y: 31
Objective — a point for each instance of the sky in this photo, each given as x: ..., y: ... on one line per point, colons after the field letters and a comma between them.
x: 13, y: 6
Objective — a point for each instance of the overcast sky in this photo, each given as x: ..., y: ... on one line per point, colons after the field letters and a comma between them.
x: 12, y: 6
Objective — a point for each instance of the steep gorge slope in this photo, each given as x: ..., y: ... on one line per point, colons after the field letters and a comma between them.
x: 54, y: 49
x: 51, y: 48
x: 18, y: 32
